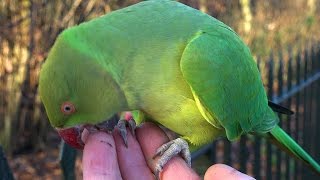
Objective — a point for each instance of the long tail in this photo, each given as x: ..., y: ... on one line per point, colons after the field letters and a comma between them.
x: 280, y: 138
x: 280, y: 109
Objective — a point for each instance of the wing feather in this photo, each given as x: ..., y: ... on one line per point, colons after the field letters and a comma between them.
x: 225, y: 80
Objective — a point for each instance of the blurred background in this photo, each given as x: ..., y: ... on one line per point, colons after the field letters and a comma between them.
x: 282, y: 35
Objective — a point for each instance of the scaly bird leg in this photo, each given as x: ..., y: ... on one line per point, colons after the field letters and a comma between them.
x: 168, y: 150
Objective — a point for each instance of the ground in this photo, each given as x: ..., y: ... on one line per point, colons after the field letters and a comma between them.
x: 42, y: 164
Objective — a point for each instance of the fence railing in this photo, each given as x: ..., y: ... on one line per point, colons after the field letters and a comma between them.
x: 294, y: 82
x: 5, y: 171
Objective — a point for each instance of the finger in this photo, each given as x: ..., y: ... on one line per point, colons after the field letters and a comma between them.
x: 131, y: 160
x: 222, y: 171
x: 152, y: 137
x: 100, y: 157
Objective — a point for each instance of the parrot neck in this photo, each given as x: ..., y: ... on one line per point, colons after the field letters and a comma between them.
x: 114, y: 97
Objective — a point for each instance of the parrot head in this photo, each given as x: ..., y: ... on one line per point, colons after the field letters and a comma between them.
x: 76, y: 90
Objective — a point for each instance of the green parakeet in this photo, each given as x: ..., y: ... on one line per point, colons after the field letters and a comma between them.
x: 177, y: 66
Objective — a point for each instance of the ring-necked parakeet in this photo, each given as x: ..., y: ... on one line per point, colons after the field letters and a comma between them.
x: 176, y: 65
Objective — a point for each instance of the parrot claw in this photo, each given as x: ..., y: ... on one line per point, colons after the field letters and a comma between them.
x: 168, y: 150
x: 132, y: 126
x: 122, y: 127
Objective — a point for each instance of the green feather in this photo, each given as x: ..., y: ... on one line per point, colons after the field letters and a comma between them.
x: 280, y: 138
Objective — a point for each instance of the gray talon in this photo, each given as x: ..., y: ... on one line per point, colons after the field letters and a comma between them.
x: 122, y: 126
x: 157, y: 173
x: 162, y: 149
x: 123, y: 131
x: 168, y: 150
x: 132, y: 126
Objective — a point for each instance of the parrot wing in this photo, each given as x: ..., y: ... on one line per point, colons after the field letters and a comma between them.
x: 226, y: 83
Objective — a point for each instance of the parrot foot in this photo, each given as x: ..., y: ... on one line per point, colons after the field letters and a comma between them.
x: 168, y: 150
x: 122, y: 127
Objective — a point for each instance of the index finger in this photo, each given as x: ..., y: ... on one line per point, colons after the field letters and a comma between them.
x: 131, y: 160
x: 100, y: 157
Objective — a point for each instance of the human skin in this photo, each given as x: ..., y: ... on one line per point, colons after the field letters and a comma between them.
x: 106, y: 157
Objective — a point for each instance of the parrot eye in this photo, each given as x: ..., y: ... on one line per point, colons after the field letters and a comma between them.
x: 67, y: 108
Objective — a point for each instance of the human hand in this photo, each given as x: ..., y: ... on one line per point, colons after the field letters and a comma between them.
x: 106, y: 157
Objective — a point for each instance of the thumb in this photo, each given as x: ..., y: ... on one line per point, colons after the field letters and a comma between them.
x: 222, y: 171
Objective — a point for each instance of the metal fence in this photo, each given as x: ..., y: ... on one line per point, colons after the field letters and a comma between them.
x: 294, y: 82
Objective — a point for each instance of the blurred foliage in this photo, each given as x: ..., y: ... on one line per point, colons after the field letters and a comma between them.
x: 28, y: 29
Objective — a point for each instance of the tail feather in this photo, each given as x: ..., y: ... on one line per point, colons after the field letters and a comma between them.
x: 280, y: 138
x: 280, y: 109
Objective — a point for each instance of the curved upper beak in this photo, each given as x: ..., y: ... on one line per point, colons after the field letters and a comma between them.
x: 75, y: 137
x: 72, y: 136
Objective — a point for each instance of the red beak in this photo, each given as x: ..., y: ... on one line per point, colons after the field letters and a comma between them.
x: 72, y: 136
